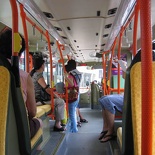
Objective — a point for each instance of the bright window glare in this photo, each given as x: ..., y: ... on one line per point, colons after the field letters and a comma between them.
x: 93, y: 74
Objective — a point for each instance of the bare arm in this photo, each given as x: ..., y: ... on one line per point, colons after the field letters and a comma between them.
x: 68, y: 79
x: 30, y: 102
x: 42, y: 82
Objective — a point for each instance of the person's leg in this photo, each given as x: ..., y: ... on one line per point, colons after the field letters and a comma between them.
x: 83, y: 120
x: 59, y: 112
x: 78, y: 117
x: 105, y: 124
x: 72, y: 116
x: 106, y: 107
x: 108, y: 126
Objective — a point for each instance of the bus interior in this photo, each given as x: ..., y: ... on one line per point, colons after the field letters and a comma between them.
x: 96, y: 34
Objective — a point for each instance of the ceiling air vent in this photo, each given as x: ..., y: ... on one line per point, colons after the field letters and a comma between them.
x: 98, y: 13
x: 58, y: 28
x: 48, y: 15
x: 108, y: 26
x: 64, y: 37
x: 98, y: 55
x: 112, y: 11
x: 105, y: 35
x: 103, y: 45
x: 68, y: 28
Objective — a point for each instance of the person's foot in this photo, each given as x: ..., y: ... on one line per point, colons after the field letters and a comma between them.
x: 63, y: 124
x: 58, y: 129
x: 83, y: 121
x: 107, y: 138
x: 103, y: 133
x: 78, y: 124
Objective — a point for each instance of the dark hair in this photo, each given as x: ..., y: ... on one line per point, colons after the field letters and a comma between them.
x: 37, y: 63
x: 72, y: 64
x: 137, y: 58
x: 6, y: 43
x: 67, y: 68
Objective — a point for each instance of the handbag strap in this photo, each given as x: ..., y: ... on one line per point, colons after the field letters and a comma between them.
x: 47, y: 86
x: 74, y: 79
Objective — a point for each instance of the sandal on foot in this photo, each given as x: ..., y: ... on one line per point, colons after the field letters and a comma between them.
x: 110, y: 137
x: 63, y: 125
x: 78, y: 124
x: 58, y: 129
x: 83, y: 121
x: 103, y: 133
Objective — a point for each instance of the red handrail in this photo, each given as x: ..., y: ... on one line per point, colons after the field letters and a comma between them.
x: 14, y: 25
x: 135, y: 29
x: 118, y: 55
x: 23, y: 16
x: 51, y: 75
x: 147, y: 83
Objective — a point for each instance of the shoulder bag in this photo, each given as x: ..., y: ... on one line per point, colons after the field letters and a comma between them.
x: 73, y: 92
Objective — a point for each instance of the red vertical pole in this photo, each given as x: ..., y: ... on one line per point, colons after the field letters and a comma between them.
x: 51, y: 71
x: 135, y: 29
x: 23, y: 16
x: 104, y: 74
x: 147, y: 90
x: 66, y: 88
x: 119, y: 53
x: 14, y: 25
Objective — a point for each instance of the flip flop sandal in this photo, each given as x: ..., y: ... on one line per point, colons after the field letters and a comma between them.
x: 83, y: 121
x: 103, y: 133
x: 79, y: 124
x: 111, y: 137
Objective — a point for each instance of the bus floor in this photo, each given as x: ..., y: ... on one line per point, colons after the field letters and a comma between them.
x: 85, y: 142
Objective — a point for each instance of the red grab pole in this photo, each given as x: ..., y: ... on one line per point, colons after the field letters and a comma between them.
x: 147, y: 90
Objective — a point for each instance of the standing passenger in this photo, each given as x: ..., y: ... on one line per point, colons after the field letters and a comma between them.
x: 71, y: 106
x: 72, y: 65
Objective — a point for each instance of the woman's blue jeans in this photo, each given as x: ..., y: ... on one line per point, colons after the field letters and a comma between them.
x: 72, y: 116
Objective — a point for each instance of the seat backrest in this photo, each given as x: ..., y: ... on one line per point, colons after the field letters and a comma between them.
x: 136, y: 107
x: 19, y: 111
x: 8, y: 129
x: 127, y: 132
x: 95, y: 94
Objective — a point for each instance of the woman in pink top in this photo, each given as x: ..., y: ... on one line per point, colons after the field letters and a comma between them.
x: 71, y: 106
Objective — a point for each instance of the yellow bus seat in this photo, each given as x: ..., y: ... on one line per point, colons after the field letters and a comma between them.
x: 40, y: 113
x: 136, y: 107
x: 47, y: 108
x: 8, y: 129
x: 19, y: 110
x: 119, y: 137
x: 36, y: 140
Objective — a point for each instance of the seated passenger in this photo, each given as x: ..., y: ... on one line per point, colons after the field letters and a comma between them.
x: 26, y: 81
x: 110, y: 104
x: 39, y: 83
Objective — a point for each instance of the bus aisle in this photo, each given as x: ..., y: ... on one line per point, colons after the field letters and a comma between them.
x: 85, y: 142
